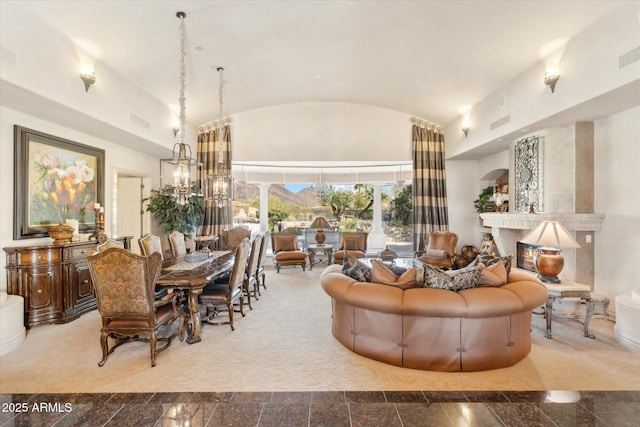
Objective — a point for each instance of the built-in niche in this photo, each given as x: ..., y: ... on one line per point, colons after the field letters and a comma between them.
x: 528, y: 174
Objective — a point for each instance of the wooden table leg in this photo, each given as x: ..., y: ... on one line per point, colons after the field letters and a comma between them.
x: 194, y: 323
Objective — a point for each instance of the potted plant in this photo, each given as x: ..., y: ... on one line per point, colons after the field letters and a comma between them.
x: 172, y: 215
x: 481, y: 202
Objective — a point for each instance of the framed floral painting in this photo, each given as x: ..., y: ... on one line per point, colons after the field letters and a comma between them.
x: 54, y: 180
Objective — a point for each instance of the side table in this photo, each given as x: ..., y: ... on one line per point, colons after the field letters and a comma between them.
x: 312, y: 250
x: 568, y: 289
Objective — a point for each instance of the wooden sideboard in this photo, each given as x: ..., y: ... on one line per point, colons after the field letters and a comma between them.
x: 53, y: 279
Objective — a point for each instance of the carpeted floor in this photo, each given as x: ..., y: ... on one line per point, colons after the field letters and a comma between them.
x: 285, y: 344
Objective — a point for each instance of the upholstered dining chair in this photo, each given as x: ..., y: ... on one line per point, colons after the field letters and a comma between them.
x: 232, y: 237
x: 250, y: 280
x: 124, y: 284
x: 149, y: 244
x: 109, y: 243
x: 353, y: 243
x: 441, y: 249
x: 176, y: 243
x: 216, y: 294
x: 286, y: 250
x: 260, y: 273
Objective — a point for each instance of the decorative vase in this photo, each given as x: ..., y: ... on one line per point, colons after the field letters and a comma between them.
x: 320, y: 237
x: 61, y: 233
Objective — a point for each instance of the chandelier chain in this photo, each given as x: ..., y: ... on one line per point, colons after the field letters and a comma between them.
x: 183, y: 75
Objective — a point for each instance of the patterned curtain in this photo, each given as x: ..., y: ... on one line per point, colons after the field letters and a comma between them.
x: 430, y: 212
x: 215, y: 219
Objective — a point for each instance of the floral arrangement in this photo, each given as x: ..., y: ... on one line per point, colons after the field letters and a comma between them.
x: 60, y: 191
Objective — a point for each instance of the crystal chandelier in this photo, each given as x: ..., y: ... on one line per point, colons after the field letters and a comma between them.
x: 321, y: 186
x: 182, y: 158
x: 219, y: 186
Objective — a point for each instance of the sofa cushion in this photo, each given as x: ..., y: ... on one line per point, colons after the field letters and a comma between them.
x: 488, y: 259
x: 356, y: 270
x: 352, y: 243
x: 380, y: 273
x: 290, y: 256
x: 493, y: 275
x: 453, y: 280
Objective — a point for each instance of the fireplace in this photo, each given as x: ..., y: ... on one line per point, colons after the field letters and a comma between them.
x: 524, y: 256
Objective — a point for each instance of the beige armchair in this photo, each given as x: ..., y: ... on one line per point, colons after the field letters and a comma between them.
x: 353, y: 243
x: 441, y: 249
x: 286, y: 250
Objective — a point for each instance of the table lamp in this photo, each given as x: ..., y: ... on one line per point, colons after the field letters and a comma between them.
x: 550, y: 236
x: 320, y: 223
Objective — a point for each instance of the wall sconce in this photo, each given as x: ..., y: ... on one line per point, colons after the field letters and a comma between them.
x: 465, y: 126
x: 465, y: 112
x: 551, y: 76
x: 88, y: 75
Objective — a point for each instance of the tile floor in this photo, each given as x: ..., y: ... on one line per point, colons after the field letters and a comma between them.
x: 332, y: 409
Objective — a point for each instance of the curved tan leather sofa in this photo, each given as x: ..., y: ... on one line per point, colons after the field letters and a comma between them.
x: 435, y: 329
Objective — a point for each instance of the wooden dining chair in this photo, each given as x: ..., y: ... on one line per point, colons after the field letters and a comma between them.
x: 216, y: 294
x: 124, y: 284
x: 250, y: 284
x: 176, y: 243
x: 260, y: 273
x: 149, y: 244
x: 109, y: 243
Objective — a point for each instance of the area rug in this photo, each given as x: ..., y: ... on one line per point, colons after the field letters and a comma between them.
x: 285, y: 344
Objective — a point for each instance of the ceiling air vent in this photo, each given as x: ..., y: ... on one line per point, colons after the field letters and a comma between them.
x: 139, y: 121
x: 629, y: 58
x: 501, y: 121
x: 7, y: 56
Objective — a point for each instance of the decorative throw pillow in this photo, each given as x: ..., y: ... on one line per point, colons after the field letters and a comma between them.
x: 380, y: 273
x: 355, y: 269
x: 286, y: 244
x: 488, y: 260
x: 493, y: 275
x: 350, y: 243
x: 453, y: 280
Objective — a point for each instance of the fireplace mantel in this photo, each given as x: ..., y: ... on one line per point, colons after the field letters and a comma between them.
x: 508, y: 228
x: 525, y: 221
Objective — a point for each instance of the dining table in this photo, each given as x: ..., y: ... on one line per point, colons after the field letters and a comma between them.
x: 190, y: 277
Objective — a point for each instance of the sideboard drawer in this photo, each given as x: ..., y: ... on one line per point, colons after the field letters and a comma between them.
x: 82, y: 252
x: 38, y: 256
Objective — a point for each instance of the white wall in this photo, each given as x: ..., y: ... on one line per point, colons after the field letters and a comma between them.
x: 321, y: 131
x: 117, y: 158
x: 617, y: 174
x: 462, y: 190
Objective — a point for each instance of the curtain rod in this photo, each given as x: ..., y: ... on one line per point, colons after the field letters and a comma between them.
x: 426, y: 124
x: 214, y: 124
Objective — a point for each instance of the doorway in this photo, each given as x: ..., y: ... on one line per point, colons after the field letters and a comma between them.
x: 130, y: 217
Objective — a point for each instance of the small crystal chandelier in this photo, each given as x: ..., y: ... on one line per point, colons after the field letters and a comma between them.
x: 321, y: 186
x: 219, y: 186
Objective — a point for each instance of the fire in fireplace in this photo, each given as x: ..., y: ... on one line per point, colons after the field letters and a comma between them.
x: 524, y: 256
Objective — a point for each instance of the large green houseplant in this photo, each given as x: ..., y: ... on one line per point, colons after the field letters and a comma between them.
x: 172, y: 215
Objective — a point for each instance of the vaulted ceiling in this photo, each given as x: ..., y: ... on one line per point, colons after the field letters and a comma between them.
x: 424, y: 58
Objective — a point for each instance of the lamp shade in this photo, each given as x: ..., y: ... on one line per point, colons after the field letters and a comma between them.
x: 552, y: 234
x: 319, y: 222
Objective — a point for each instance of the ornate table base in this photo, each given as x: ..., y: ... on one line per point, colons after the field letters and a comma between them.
x: 568, y: 289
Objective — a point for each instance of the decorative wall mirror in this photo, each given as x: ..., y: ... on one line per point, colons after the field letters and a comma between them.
x: 528, y: 194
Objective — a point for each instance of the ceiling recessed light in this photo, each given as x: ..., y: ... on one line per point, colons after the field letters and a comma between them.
x: 198, y: 48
